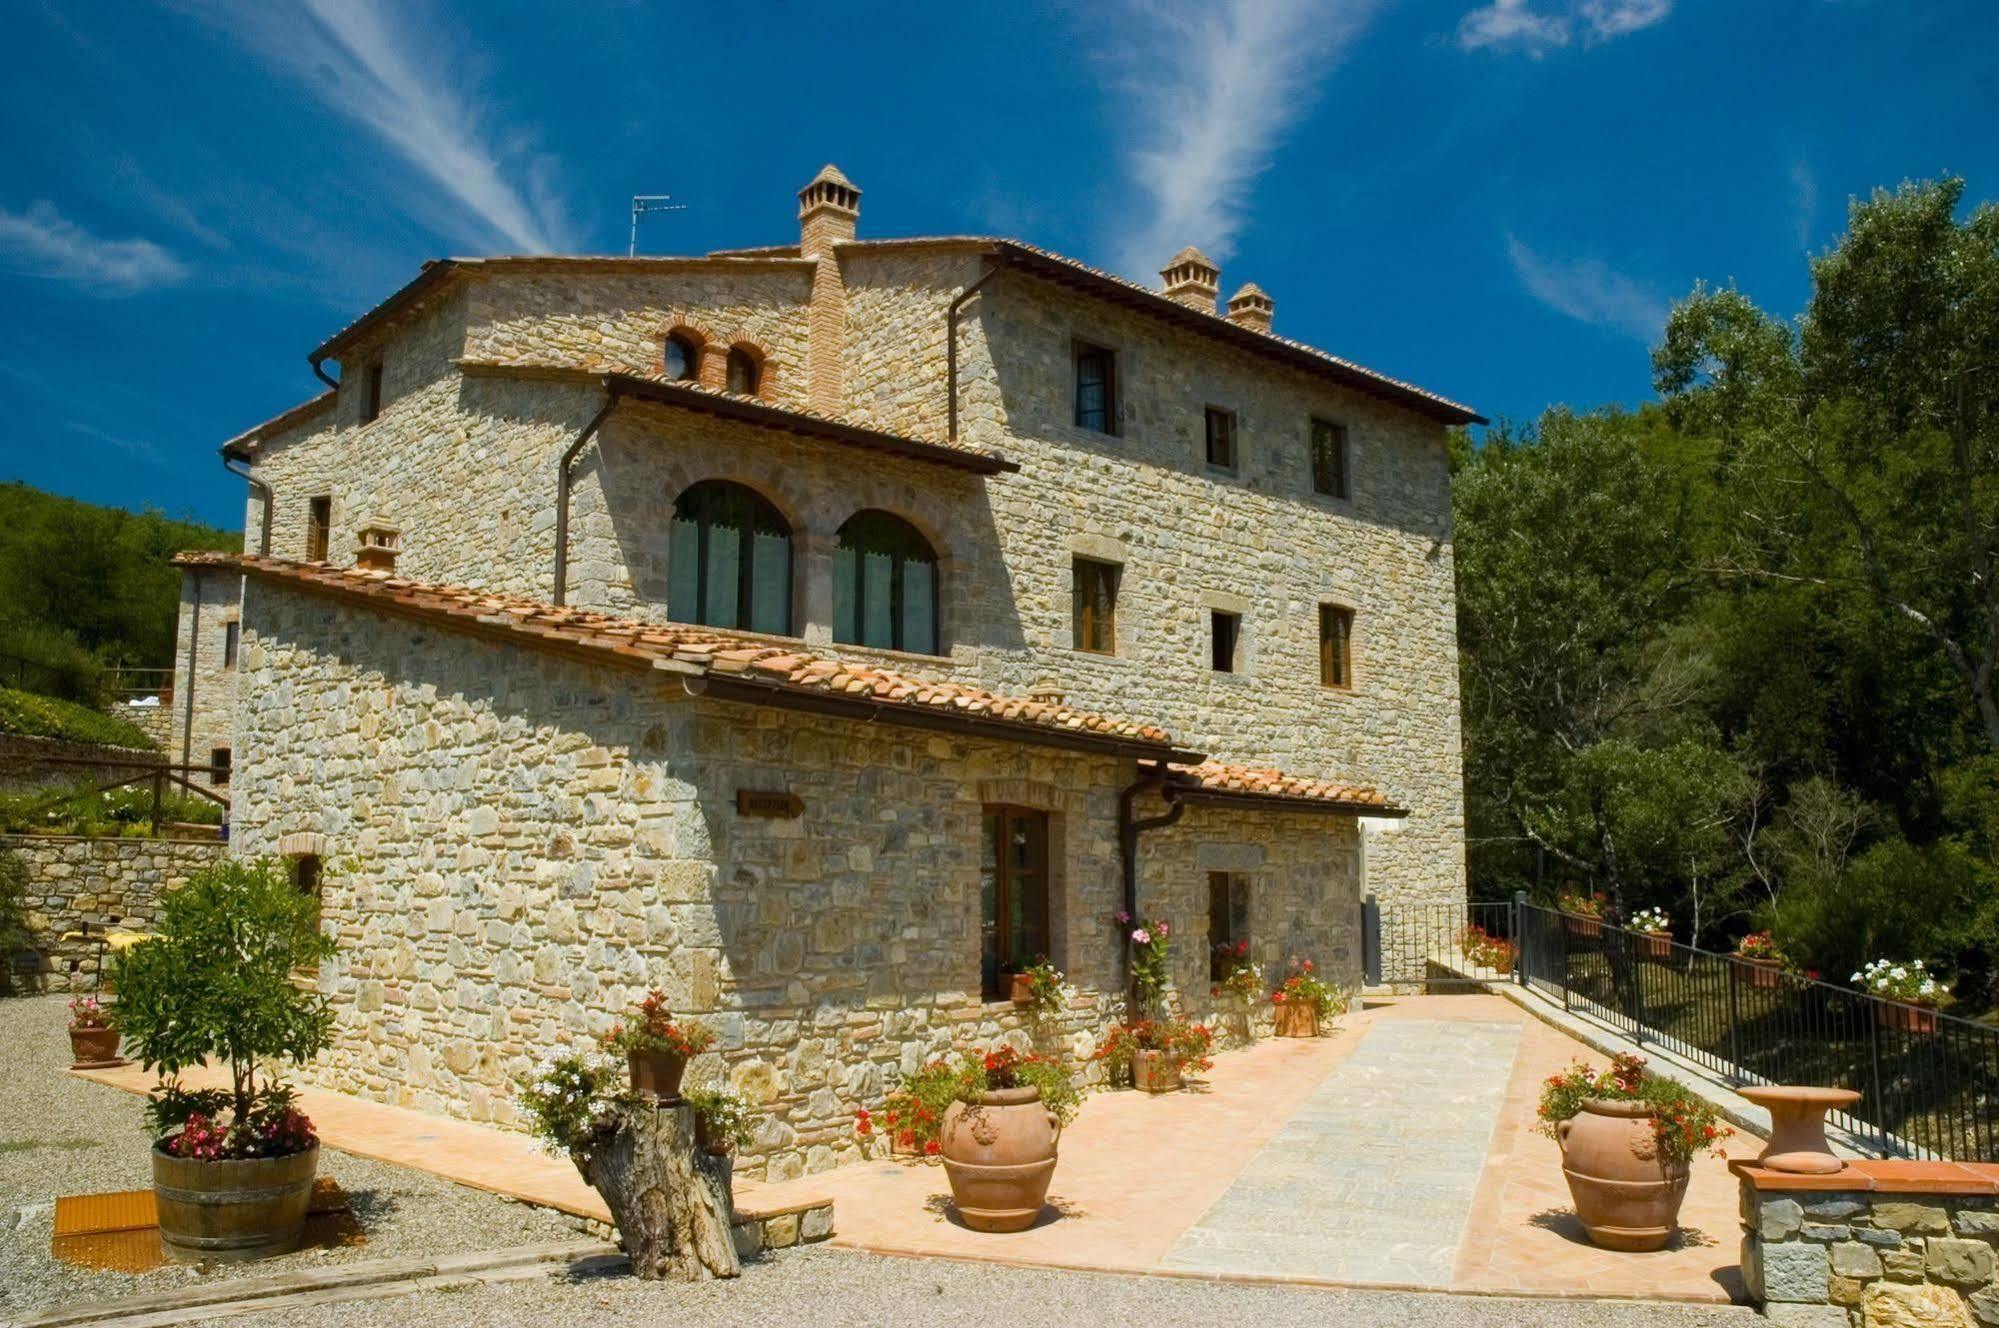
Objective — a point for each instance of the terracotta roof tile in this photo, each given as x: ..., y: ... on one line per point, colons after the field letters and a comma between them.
x: 1250, y: 781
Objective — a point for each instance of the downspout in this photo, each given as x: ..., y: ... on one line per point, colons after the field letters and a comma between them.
x: 951, y: 345
x: 193, y: 649
x: 262, y: 490
x: 320, y: 373
x: 1129, y: 830
x: 562, y: 491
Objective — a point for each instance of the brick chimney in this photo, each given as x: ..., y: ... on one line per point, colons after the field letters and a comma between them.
x: 1251, y: 308
x: 1192, y: 279
x: 378, y: 546
x: 828, y: 211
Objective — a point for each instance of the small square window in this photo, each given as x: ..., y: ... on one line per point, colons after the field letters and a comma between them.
x: 218, y: 766
x: 1224, y: 639
x: 371, y: 393
x: 1095, y: 586
x: 1096, y: 388
x: 232, y: 641
x: 1335, y: 646
x: 1329, y: 459
x: 1221, y: 438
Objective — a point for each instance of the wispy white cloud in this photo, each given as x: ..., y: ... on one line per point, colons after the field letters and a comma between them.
x: 1539, y: 26
x: 137, y: 447
x: 368, y: 61
x: 1804, y: 200
x: 1213, y: 90
x: 1589, y: 291
x: 41, y: 242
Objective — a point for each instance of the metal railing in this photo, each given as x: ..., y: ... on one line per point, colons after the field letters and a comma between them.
x: 133, y: 684
x: 1929, y: 1082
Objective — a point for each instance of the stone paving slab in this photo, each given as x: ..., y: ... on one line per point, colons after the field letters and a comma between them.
x: 1371, y: 1179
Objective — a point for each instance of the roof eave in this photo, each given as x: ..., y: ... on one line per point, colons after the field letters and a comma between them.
x: 1284, y: 802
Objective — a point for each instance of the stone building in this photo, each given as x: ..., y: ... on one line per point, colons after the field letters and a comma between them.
x: 820, y: 632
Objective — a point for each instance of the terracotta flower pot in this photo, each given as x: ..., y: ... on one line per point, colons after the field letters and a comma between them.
x: 232, y: 1211
x: 1022, y: 992
x: 657, y: 1074
x: 92, y: 1047
x: 1762, y: 973
x: 1653, y: 944
x: 1154, y: 1072
x: 1581, y: 926
x: 1297, y: 1019
x: 999, y: 1154
x: 1906, y: 1018
x: 1626, y: 1194
x: 710, y: 1140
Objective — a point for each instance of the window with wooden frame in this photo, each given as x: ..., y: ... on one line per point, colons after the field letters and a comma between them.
x: 308, y: 879
x: 744, y: 372
x: 1228, y: 922
x: 884, y: 585
x: 371, y: 393
x: 1096, y: 388
x: 1335, y: 646
x: 318, y: 528
x: 728, y: 559
x: 1224, y: 640
x: 218, y: 765
x: 1221, y: 438
x: 1094, y: 587
x: 1329, y: 458
x: 1013, y: 896
x: 232, y: 642
x: 681, y: 357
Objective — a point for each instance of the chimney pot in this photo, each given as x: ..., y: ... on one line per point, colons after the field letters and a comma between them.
x: 1251, y: 308
x: 378, y: 546
x: 1192, y: 279
x: 829, y: 210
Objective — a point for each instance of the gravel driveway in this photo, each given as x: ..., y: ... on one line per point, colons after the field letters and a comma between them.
x: 64, y: 1135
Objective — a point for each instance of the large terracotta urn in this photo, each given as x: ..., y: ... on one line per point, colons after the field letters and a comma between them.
x: 999, y: 1154
x: 1626, y: 1194
x: 1297, y: 1019
x: 234, y: 1210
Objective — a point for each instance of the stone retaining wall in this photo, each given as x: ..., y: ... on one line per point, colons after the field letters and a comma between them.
x: 28, y: 762
x: 93, y: 885
x: 1895, y: 1244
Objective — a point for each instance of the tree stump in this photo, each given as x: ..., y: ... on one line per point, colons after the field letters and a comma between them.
x: 671, y: 1201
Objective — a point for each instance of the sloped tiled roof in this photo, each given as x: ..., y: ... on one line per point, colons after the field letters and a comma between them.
x: 1222, y: 779
x: 304, y: 410
x: 780, y: 670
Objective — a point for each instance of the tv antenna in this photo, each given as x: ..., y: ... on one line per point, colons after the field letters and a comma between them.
x: 644, y: 203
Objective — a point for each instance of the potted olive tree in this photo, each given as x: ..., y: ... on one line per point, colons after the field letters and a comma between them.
x: 232, y: 1167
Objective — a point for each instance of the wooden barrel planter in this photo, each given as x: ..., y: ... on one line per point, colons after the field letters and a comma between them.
x: 233, y: 1210
x: 1905, y: 1018
x: 1154, y: 1072
x: 1297, y: 1019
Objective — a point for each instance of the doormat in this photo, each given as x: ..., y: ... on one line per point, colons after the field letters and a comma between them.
x: 120, y: 1233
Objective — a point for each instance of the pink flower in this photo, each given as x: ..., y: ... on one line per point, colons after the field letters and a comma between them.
x: 1142, y: 936
x: 1165, y: 928
x: 1123, y: 917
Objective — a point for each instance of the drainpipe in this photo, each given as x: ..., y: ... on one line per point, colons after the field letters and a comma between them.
x: 951, y: 345
x: 262, y: 490
x: 562, y: 491
x: 1128, y: 832
x: 320, y: 373
x: 193, y: 649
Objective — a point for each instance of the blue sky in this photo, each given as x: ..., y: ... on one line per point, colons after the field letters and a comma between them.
x: 1497, y: 199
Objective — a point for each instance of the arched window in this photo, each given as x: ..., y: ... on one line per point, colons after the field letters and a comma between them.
x: 683, y: 356
x: 745, y: 374
x: 729, y: 560
x: 884, y: 585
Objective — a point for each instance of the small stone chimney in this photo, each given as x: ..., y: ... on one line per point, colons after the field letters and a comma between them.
x: 829, y: 209
x: 1048, y: 692
x: 379, y: 545
x: 1192, y: 279
x: 1251, y: 308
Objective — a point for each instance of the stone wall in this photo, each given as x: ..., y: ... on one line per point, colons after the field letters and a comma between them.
x: 1896, y: 1244
x: 94, y: 885
x: 201, y: 719
x: 30, y: 762
x: 518, y: 846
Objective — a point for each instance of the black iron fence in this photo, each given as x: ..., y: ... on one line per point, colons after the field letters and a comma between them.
x: 1929, y: 1082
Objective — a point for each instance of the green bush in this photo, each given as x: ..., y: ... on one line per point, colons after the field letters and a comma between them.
x: 46, y: 717
x: 85, y: 809
x: 13, y: 915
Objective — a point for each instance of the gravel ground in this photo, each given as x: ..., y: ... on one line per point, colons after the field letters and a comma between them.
x: 829, y: 1288
x: 64, y: 1135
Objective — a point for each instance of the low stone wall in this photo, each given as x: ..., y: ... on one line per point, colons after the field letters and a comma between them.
x: 93, y: 885
x: 1895, y: 1244
x: 28, y: 762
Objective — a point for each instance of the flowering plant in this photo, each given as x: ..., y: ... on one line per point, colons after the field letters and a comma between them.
x: 1048, y: 991
x: 204, y: 1125
x: 1758, y: 945
x: 1582, y: 905
x: 1484, y: 950
x: 913, y: 1115
x: 1243, y: 981
x: 1651, y: 920
x: 722, y: 1115
x: 568, y: 1099
x: 1910, y: 983
x: 1151, y: 950
x: 1684, y: 1122
x: 1304, y: 985
x: 86, y: 1013
x: 653, y: 1029
x: 1187, y: 1044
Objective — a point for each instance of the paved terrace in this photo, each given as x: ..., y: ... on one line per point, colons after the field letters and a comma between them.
x: 1399, y: 1152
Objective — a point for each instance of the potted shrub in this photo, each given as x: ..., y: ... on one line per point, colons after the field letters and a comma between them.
x: 912, y: 1119
x: 1758, y: 961
x: 1582, y: 913
x: 657, y: 1047
x: 1908, y: 994
x: 1305, y: 1001
x: 1627, y: 1138
x: 1151, y: 962
x: 722, y: 1121
x: 1484, y: 950
x: 1153, y: 1055
x: 1240, y: 988
x: 93, y: 1035
x: 1654, y: 938
x: 1041, y: 989
x: 232, y: 1168
x: 999, y: 1136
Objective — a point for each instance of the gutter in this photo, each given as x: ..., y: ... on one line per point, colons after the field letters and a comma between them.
x: 562, y: 485
x: 951, y: 346
x: 230, y: 461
